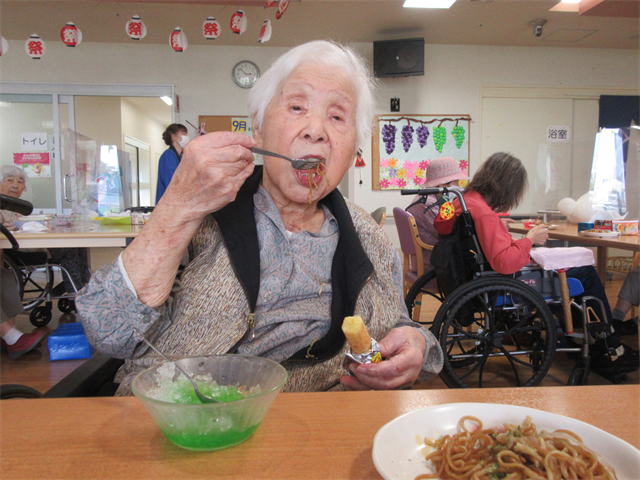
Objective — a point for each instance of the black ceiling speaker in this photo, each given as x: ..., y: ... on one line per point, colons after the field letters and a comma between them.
x: 398, y: 58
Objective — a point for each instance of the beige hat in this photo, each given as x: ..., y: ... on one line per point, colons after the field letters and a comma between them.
x: 443, y: 170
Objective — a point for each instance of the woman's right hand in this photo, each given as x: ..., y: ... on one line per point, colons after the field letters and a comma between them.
x: 212, y: 170
x: 538, y: 234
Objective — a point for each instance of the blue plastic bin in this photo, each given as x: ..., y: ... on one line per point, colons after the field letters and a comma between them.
x: 69, y: 342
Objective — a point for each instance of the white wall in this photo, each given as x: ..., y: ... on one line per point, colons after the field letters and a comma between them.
x: 454, y: 75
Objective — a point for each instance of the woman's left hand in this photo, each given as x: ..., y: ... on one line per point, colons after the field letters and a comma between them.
x: 403, y: 348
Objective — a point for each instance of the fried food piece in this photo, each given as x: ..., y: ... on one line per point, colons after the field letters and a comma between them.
x: 357, y: 335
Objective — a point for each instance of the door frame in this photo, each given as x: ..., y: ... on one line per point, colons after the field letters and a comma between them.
x: 65, y: 93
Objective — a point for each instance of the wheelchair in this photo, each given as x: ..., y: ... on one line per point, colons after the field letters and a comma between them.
x: 501, y: 330
x: 36, y: 297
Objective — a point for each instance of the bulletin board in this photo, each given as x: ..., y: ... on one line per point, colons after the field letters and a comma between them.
x: 225, y: 123
x: 403, y: 146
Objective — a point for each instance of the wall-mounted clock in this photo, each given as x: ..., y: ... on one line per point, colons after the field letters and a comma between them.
x: 245, y: 74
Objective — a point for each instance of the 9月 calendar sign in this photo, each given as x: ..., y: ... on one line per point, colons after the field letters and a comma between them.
x: 558, y: 134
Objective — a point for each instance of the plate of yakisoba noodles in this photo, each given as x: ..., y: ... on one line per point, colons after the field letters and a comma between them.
x: 486, y: 441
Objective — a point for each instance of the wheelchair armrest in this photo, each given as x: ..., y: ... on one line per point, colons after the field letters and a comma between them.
x: 86, y: 380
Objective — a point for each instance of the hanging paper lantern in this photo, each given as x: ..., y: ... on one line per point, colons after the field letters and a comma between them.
x: 178, y: 40
x: 265, y: 32
x: 4, y: 46
x: 35, y: 47
x: 270, y: 3
x: 136, y: 28
x: 71, y: 35
x: 282, y: 6
x: 238, y: 22
x: 211, y: 28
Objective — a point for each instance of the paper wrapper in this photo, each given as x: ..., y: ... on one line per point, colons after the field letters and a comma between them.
x: 372, y: 356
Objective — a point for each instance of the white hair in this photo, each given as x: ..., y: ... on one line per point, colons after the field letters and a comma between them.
x: 12, y: 171
x: 319, y: 52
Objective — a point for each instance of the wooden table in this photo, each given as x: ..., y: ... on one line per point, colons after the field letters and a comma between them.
x: 569, y: 232
x: 304, y: 435
x: 60, y: 237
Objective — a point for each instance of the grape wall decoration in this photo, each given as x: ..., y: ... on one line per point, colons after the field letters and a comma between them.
x: 424, y: 138
x: 389, y: 137
x: 439, y: 137
x: 458, y: 134
x: 422, y: 132
x: 407, y: 137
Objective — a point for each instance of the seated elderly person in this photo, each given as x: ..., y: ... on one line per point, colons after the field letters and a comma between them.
x: 497, y: 186
x: 74, y: 260
x: 441, y: 172
x: 275, y: 258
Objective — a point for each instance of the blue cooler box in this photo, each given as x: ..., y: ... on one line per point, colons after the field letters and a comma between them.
x: 68, y: 342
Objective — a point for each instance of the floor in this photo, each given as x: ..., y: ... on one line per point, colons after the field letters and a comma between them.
x: 35, y: 370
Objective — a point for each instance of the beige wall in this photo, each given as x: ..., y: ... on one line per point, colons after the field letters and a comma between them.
x: 137, y: 123
x: 99, y: 118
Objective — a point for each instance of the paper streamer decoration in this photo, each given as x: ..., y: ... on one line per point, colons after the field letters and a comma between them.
x: 4, y: 46
x: 35, y: 47
x: 282, y: 7
x: 211, y: 28
x: 136, y: 29
x: 178, y: 40
x: 238, y: 22
x: 265, y: 32
x: 71, y: 35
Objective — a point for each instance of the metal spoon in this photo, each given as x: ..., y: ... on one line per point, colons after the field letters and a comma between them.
x: 203, y: 398
x: 298, y: 164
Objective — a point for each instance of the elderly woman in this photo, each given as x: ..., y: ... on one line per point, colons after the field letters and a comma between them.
x: 499, y: 185
x: 270, y: 269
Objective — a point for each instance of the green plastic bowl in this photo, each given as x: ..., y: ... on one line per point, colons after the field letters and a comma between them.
x: 210, y: 426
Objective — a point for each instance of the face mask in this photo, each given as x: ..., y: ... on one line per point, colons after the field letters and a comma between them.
x: 184, y: 139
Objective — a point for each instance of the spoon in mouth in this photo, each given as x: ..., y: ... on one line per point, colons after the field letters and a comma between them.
x: 203, y: 398
x: 298, y: 164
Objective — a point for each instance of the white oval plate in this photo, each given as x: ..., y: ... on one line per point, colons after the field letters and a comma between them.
x: 600, y: 234
x: 397, y: 454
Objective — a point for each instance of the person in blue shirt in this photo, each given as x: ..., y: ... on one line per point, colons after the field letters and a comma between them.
x: 175, y: 136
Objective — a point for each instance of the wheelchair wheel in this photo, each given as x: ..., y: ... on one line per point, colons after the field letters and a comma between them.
x: 40, y: 316
x: 418, y: 288
x: 66, y: 305
x: 16, y: 272
x: 495, y: 332
x: 12, y: 390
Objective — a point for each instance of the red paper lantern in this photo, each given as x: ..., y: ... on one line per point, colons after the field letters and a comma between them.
x: 136, y: 28
x: 265, y: 32
x: 4, y: 46
x: 71, y: 35
x: 282, y: 6
x: 238, y: 22
x: 178, y: 40
x: 35, y: 47
x: 211, y: 28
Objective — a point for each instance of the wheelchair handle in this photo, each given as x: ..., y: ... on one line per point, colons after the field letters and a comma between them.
x: 11, y: 238
x: 15, y: 205
x: 438, y: 190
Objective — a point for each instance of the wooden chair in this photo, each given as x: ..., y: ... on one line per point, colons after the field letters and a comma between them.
x: 411, y: 246
x: 380, y: 215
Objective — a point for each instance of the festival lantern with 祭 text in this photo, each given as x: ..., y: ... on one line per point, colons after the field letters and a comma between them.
x: 282, y: 7
x: 71, y: 35
x: 265, y: 32
x: 238, y: 22
x: 35, y: 47
x: 136, y: 29
x: 4, y: 46
x: 211, y: 28
x: 178, y: 40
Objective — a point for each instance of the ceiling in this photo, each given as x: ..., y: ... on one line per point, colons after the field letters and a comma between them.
x: 467, y: 22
